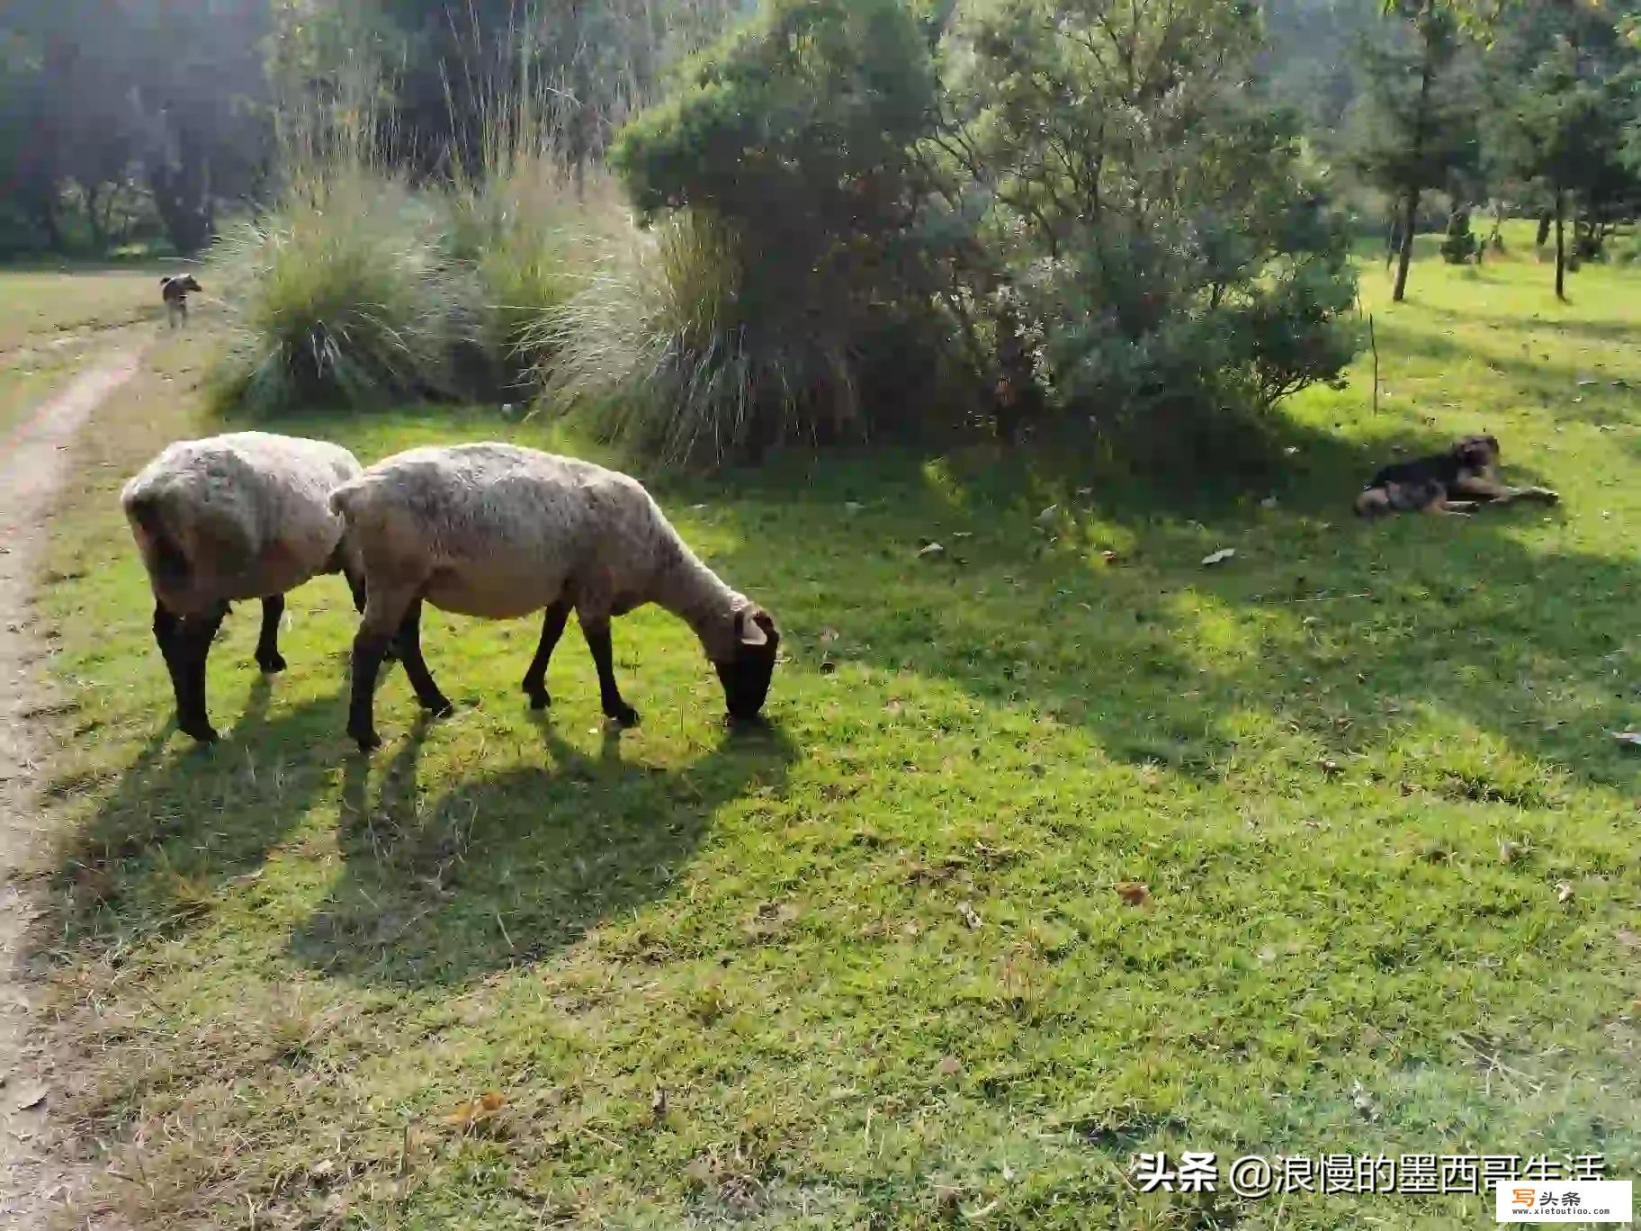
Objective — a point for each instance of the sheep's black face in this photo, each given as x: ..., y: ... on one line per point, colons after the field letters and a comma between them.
x: 746, y: 676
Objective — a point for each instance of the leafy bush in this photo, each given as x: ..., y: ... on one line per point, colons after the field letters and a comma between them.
x: 1171, y: 243
x: 790, y: 146
x: 341, y: 293
x: 656, y: 343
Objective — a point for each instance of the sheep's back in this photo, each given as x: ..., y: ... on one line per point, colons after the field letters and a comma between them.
x: 494, y: 519
x: 248, y: 510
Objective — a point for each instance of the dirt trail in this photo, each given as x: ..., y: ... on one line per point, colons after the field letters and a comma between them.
x: 33, y: 459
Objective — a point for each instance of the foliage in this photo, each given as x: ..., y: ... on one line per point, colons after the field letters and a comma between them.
x: 655, y: 345
x: 792, y: 142
x: 143, y: 92
x: 1416, y: 129
x: 1567, y: 88
x: 517, y: 220
x: 1171, y: 247
x: 342, y: 293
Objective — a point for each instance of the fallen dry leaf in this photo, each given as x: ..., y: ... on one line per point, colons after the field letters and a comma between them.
x: 658, y: 1102
x: 970, y: 916
x: 950, y: 1066
x: 932, y: 551
x: 1135, y: 893
x: 1629, y: 939
x: 828, y: 636
x: 1218, y: 557
x: 30, y: 1096
x: 476, y: 1111
x: 1509, y: 852
x: 1564, y: 892
x: 1630, y: 739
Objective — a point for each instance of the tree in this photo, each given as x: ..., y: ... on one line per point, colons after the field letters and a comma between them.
x: 1565, y: 77
x: 1418, y: 123
x: 1133, y: 210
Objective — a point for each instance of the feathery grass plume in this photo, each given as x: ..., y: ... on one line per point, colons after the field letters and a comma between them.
x: 654, y: 345
x: 341, y: 291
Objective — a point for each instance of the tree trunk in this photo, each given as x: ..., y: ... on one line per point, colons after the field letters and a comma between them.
x: 1411, y: 209
x: 1561, y: 246
x: 94, y: 220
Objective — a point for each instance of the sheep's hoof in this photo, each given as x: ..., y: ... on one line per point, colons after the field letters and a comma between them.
x: 272, y: 664
x: 368, y: 741
x: 438, y: 707
x: 201, y: 730
x: 539, y: 698
x: 622, y: 715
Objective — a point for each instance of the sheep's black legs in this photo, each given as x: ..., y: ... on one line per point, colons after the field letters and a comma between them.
x: 267, y: 642
x: 409, y: 644
x: 535, y: 679
x: 193, y: 646
x: 597, y: 634
x: 167, y: 629
x: 370, y: 647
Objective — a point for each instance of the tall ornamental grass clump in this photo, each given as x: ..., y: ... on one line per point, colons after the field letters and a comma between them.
x: 655, y: 347
x: 522, y: 223
x: 342, y: 293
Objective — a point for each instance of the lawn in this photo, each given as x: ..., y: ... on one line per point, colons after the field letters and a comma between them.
x: 52, y: 321
x: 869, y: 968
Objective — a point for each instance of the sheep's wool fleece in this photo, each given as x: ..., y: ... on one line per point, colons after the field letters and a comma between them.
x: 501, y: 531
x: 249, y: 510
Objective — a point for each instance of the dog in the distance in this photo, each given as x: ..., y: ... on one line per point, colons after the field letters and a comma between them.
x: 1455, y: 483
x: 175, y: 291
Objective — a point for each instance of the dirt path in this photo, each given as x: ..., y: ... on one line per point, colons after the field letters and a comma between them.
x: 33, y: 459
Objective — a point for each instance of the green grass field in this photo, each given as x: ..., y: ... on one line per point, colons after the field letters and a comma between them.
x: 52, y: 321
x: 868, y: 969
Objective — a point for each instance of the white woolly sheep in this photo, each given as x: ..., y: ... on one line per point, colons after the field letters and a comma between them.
x: 498, y: 531
x: 240, y: 516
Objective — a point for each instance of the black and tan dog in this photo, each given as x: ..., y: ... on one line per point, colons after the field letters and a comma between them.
x: 175, y: 291
x: 1454, y: 482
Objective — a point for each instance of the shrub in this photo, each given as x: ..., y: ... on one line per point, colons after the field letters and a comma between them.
x: 656, y: 345
x: 518, y: 223
x: 790, y: 146
x: 1172, y: 244
x: 341, y: 293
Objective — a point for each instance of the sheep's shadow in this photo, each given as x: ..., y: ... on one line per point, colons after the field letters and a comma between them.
x: 507, y: 869
x: 185, y: 819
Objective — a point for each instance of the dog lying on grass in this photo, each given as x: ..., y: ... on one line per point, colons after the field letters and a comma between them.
x: 1454, y: 483
x: 175, y: 291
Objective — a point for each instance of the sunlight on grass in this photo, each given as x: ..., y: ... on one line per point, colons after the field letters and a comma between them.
x: 872, y: 958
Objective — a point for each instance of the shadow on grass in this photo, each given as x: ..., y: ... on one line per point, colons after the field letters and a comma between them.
x: 1325, y: 627
x: 184, y: 819
x: 507, y: 869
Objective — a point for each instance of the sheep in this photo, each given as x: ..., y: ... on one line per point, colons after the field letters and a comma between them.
x: 239, y: 516
x: 499, y: 531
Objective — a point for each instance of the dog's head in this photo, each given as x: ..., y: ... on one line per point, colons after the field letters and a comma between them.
x: 185, y: 284
x: 1477, y: 452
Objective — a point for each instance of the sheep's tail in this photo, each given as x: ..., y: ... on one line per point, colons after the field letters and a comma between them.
x: 169, y: 561
x: 341, y: 500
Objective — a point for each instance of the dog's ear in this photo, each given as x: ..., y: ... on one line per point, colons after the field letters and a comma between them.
x: 166, y: 281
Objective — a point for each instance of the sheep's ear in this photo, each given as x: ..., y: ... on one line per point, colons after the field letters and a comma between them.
x: 750, y: 632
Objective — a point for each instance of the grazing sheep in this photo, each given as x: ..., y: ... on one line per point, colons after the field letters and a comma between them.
x: 498, y: 531
x: 240, y: 516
